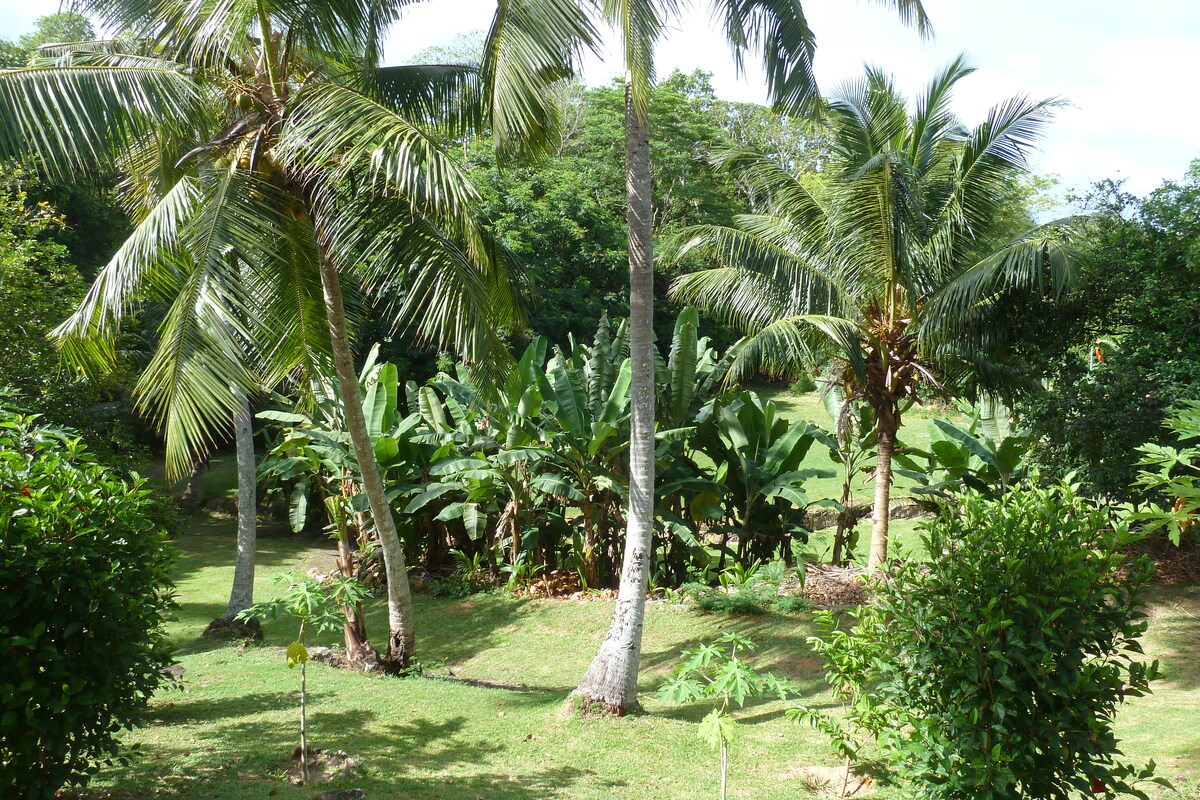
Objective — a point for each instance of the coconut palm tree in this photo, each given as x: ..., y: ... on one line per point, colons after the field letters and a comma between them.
x: 779, y: 31
x: 270, y: 160
x: 888, y: 257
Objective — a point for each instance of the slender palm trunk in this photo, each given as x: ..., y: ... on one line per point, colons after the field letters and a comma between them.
x: 191, y: 492
x: 611, y: 680
x: 883, y: 489
x: 241, y: 596
x: 401, y: 638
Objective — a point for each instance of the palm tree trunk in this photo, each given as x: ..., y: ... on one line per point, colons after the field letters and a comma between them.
x: 241, y: 596
x: 191, y: 492
x: 401, y: 637
x: 883, y: 489
x: 611, y: 680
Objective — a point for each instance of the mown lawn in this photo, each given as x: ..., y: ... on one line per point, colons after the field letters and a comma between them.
x: 490, y: 722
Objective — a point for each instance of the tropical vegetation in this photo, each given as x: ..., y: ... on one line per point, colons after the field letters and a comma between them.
x: 889, y: 263
x: 367, y: 328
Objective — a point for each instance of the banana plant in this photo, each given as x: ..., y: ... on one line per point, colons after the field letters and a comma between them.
x: 499, y: 443
x: 586, y: 418
x: 693, y: 373
x: 757, y: 454
x: 989, y: 453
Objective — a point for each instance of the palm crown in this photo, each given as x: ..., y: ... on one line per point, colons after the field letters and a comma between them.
x: 257, y: 137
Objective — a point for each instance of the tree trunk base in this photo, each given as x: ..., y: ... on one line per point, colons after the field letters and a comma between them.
x: 587, y: 706
x: 233, y: 629
x: 399, y: 656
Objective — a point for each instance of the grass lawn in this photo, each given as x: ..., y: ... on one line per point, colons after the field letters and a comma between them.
x: 492, y: 724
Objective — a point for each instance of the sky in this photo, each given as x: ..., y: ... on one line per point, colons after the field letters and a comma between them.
x: 1126, y: 71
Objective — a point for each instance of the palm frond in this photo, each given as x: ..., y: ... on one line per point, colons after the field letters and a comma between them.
x: 640, y: 24
x: 446, y: 96
x: 70, y: 120
x: 779, y: 31
x: 449, y: 284
x: 531, y: 46
x: 144, y: 266
x: 1040, y: 261
x: 787, y: 345
x: 337, y: 129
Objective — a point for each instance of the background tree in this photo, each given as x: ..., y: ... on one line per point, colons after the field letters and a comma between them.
x: 58, y: 28
x: 889, y: 261
x: 1105, y: 367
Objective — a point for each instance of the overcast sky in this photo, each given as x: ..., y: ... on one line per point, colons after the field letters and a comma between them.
x: 1127, y: 70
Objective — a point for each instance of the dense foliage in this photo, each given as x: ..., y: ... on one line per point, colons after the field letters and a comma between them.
x: 565, y: 217
x: 84, y: 591
x: 1123, y: 348
x: 996, y: 670
x: 533, y: 476
x: 40, y: 286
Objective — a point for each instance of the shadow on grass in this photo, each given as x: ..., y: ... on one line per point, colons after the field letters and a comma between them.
x: 454, y: 631
x: 414, y: 759
x: 182, y: 711
x: 1175, y: 634
x: 515, y: 696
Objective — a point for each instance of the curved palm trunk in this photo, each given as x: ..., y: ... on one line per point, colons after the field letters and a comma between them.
x: 401, y: 637
x: 241, y: 596
x: 883, y: 487
x: 611, y: 680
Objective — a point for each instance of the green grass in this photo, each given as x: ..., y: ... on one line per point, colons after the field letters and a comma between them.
x: 809, y: 407
x: 492, y: 723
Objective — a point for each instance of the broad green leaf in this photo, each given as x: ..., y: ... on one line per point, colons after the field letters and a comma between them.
x: 716, y: 728
x: 297, y: 654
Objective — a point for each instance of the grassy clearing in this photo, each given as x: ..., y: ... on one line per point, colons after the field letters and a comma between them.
x: 492, y: 724
x: 809, y: 407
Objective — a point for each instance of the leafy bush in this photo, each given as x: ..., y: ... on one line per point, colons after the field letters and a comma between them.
x: 803, y: 384
x: 84, y: 590
x: 1177, y: 475
x: 997, y: 672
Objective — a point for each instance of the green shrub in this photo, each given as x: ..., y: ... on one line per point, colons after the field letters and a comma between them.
x: 997, y: 671
x: 745, y: 591
x: 84, y: 590
x: 803, y: 384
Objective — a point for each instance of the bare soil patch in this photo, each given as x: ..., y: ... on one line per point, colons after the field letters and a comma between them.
x: 323, y: 766
x: 834, y: 781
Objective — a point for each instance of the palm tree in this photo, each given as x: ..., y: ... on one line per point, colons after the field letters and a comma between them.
x: 889, y: 258
x: 269, y: 161
x: 779, y: 30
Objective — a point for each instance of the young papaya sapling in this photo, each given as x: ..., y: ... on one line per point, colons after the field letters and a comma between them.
x: 716, y: 671
x: 317, y: 606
